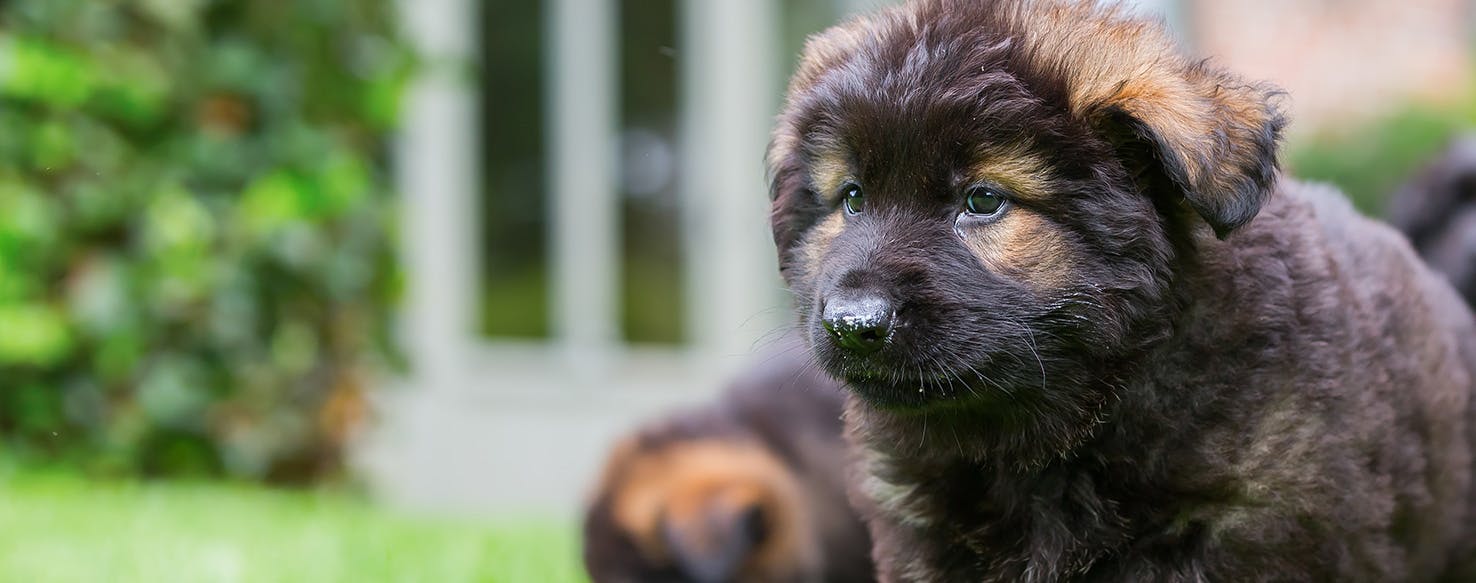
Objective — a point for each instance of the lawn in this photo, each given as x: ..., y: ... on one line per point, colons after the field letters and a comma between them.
x: 63, y: 528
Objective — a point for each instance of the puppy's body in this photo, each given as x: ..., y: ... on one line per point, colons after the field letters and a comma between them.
x: 1022, y: 233
x: 1314, y: 423
x: 750, y: 488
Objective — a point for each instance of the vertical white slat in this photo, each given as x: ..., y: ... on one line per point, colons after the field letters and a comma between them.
x: 730, y: 91
x: 436, y: 161
x: 586, y: 213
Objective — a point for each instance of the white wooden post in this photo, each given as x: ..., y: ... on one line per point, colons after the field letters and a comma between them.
x: 586, y: 213
x: 730, y: 90
x: 437, y: 154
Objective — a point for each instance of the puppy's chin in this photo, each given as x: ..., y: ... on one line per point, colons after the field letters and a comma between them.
x: 956, y: 392
x: 896, y: 385
x: 917, y: 395
x: 907, y: 377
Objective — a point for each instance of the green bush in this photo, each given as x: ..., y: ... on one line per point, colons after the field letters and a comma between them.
x: 195, y: 233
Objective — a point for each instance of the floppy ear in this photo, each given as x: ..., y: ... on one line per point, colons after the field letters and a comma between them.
x: 1212, y: 136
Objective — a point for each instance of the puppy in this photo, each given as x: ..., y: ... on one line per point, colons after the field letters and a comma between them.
x: 749, y: 489
x: 1437, y: 210
x: 1090, y: 332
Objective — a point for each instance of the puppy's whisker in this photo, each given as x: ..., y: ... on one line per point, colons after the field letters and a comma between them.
x: 1034, y: 348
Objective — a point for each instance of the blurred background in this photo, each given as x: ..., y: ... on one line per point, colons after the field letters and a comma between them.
x: 363, y: 289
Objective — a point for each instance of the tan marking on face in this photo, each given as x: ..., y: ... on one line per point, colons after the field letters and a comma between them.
x: 678, y: 486
x: 828, y: 172
x: 1022, y: 172
x: 1023, y: 244
x: 817, y: 241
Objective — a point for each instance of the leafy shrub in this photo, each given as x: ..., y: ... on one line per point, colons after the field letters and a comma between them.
x: 195, y: 253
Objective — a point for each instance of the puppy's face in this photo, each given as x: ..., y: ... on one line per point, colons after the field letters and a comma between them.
x: 977, y: 203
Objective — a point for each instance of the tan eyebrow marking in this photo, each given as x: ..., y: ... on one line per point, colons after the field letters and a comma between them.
x: 828, y: 172
x: 1023, y: 172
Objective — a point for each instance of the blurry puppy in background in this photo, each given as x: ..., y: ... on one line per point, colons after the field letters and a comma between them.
x: 1091, y: 333
x: 748, y: 489
x: 1437, y: 211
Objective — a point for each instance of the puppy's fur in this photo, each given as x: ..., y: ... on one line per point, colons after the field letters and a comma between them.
x: 1437, y: 210
x: 748, y: 489
x: 1160, y: 361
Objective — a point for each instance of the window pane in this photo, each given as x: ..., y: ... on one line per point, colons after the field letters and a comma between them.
x: 514, y: 211
x: 652, y: 298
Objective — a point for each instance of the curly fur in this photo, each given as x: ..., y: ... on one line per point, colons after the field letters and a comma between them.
x: 1164, y: 362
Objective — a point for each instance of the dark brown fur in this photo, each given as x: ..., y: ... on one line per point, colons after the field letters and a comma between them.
x: 1162, y: 362
x: 1437, y: 211
x: 748, y: 489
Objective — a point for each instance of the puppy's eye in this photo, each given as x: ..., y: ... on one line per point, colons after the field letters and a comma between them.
x: 983, y: 201
x: 853, y: 198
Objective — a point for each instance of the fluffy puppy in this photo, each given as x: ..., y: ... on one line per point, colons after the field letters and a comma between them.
x: 1437, y: 210
x: 748, y: 489
x: 1089, y: 331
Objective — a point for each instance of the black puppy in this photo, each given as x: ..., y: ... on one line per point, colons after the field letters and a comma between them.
x: 748, y: 489
x: 1091, y: 333
x: 1437, y: 210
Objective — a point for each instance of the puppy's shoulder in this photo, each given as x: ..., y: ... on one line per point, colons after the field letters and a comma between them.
x: 1373, y: 265
x: 1321, y: 221
x: 1327, y: 208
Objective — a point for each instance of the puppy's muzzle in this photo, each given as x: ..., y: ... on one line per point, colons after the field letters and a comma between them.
x: 858, y: 322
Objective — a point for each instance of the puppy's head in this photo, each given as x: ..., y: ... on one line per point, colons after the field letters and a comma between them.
x: 978, y: 202
x: 706, y: 510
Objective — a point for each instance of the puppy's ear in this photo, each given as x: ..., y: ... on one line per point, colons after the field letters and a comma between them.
x: 1212, y: 137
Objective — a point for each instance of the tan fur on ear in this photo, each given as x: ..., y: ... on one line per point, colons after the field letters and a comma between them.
x: 1214, y: 134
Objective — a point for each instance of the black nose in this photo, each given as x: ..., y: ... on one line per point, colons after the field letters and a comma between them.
x: 858, y: 323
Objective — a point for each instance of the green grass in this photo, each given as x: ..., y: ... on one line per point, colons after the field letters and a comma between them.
x: 63, y: 528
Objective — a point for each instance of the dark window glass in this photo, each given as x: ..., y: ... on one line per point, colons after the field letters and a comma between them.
x: 652, y: 297
x: 515, y: 301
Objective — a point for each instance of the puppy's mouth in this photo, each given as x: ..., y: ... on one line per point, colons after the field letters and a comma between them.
x: 895, y: 358
x: 919, y: 390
